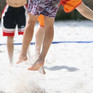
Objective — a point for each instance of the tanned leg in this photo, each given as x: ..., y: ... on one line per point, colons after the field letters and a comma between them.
x: 10, y: 48
x: 49, y: 32
x: 38, y: 42
x: 27, y: 37
x: 39, y: 39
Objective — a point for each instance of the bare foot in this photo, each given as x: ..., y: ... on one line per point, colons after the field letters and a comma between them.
x: 21, y: 59
x: 36, y: 66
x: 42, y: 70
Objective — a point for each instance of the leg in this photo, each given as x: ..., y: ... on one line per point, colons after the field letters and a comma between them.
x: 10, y: 48
x: 27, y: 37
x: 39, y: 40
x: 49, y: 31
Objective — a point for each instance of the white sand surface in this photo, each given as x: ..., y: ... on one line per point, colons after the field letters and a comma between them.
x: 69, y: 66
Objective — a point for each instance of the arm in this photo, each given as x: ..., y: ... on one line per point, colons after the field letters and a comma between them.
x: 85, y: 11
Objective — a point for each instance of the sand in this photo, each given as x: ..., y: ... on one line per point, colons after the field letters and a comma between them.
x: 69, y: 66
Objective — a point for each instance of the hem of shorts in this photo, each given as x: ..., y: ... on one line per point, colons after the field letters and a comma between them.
x: 49, y: 16
x: 8, y: 34
x: 42, y: 14
x: 20, y: 33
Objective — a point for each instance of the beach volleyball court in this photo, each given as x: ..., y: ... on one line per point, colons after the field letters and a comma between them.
x: 69, y: 63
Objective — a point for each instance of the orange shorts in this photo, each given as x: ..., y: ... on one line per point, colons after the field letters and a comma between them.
x: 41, y: 20
x: 68, y: 5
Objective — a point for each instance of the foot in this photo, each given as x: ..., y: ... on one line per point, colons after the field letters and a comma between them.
x: 36, y: 65
x: 42, y: 70
x: 21, y: 59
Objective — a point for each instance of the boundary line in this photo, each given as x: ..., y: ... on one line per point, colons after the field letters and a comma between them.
x: 54, y: 42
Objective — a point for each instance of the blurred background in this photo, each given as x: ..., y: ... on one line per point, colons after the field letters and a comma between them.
x: 74, y: 15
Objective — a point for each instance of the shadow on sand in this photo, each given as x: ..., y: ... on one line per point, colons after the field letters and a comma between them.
x: 71, y: 69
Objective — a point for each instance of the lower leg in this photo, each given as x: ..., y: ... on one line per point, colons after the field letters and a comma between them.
x: 39, y: 39
x: 10, y: 48
x: 49, y: 31
x: 27, y: 37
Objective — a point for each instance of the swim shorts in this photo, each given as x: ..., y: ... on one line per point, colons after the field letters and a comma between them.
x: 45, y: 7
x: 12, y: 17
x: 70, y: 5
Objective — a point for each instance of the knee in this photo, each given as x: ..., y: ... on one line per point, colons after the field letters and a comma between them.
x: 31, y: 22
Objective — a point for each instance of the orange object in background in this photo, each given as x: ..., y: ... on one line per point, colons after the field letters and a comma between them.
x: 41, y: 20
x: 70, y: 5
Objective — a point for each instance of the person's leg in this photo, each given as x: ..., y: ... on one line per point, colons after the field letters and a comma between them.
x: 49, y: 32
x: 38, y: 43
x: 27, y: 37
x: 39, y: 39
x: 10, y: 48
